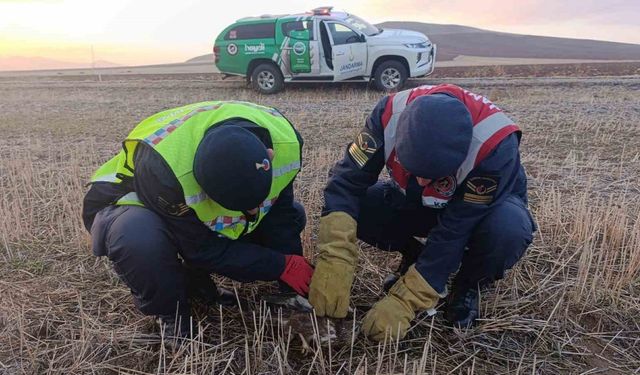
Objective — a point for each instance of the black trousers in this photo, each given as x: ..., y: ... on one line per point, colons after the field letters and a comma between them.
x: 144, y: 254
x: 388, y: 222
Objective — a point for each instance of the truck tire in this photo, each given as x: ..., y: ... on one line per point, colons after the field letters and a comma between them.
x: 267, y: 79
x: 389, y: 76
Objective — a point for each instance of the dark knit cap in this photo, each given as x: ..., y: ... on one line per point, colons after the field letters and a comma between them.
x: 433, y: 136
x: 232, y: 166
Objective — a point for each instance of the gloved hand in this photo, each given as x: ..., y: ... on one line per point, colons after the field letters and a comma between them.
x: 201, y: 287
x: 393, y: 314
x: 331, y: 283
x: 297, y: 273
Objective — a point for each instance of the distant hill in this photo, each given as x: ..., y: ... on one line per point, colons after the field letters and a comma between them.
x: 455, y: 40
x: 40, y: 63
x: 431, y: 28
x: 200, y: 59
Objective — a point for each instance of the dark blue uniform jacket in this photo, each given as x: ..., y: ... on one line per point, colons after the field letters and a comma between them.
x: 446, y: 242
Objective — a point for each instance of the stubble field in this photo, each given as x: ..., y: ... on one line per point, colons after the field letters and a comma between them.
x: 572, y: 305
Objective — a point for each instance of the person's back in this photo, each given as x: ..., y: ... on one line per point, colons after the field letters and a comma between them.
x: 212, y: 183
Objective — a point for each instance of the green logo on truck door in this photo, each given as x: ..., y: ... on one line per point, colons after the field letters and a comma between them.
x: 300, y: 57
x: 299, y: 48
x: 297, y: 39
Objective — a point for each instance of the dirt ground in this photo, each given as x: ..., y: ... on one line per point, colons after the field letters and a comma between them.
x: 461, y: 67
x: 570, y: 306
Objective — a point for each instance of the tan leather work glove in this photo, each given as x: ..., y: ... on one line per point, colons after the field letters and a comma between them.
x: 393, y: 314
x: 335, y: 266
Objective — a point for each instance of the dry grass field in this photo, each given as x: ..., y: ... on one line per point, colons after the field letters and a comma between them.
x: 461, y: 67
x: 572, y: 305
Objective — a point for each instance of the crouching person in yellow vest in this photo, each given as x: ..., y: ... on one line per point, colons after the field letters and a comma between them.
x: 196, y: 190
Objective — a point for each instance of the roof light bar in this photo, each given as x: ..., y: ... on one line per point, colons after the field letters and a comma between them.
x: 322, y: 11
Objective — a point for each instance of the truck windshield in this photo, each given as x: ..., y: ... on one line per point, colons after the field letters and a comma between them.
x: 361, y: 25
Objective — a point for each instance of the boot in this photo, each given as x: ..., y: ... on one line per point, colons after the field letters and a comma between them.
x: 409, y: 256
x: 463, y: 306
x: 175, y: 325
x: 228, y: 298
x: 203, y: 289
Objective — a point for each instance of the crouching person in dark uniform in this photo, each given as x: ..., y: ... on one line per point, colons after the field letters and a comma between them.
x: 206, y: 188
x: 456, y: 179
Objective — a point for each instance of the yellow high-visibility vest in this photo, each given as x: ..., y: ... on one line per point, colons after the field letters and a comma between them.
x: 176, y: 133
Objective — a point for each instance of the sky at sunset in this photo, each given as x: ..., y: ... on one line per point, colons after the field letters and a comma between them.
x: 132, y: 32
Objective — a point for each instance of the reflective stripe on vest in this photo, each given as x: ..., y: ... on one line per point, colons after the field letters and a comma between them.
x: 399, y: 102
x: 220, y: 223
x: 130, y: 199
x: 490, y: 127
x: 111, y: 177
x: 175, y: 135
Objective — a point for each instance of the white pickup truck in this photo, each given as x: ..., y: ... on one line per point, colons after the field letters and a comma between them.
x: 319, y: 46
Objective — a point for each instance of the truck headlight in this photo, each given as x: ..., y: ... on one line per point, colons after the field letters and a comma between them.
x: 417, y: 45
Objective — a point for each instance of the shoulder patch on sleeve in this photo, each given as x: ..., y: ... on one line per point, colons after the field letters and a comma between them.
x: 363, y: 147
x: 481, y: 189
x: 175, y: 209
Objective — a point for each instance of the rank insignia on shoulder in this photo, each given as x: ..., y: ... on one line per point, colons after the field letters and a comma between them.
x: 481, y: 190
x: 175, y: 209
x: 363, y: 148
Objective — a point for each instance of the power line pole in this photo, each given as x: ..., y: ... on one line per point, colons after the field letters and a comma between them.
x: 93, y: 65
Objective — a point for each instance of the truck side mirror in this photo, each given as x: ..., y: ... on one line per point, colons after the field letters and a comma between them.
x: 362, y: 38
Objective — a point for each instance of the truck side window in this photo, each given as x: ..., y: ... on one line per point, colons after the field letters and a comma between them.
x: 298, y: 29
x: 326, y: 44
x: 252, y: 31
x: 342, y: 34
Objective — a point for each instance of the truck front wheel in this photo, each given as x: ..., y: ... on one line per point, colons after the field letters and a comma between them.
x: 390, y: 76
x: 267, y: 79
